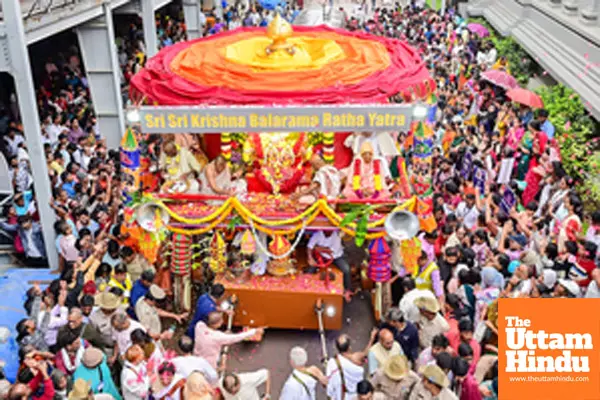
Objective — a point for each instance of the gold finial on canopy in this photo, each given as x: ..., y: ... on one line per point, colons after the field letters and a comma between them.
x: 279, y: 30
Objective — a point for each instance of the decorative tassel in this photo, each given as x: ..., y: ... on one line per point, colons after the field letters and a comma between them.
x: 328, y: 140
x: 377, y: 171
x: 226, y: 146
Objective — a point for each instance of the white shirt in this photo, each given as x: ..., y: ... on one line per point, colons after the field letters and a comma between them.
x: 53, y: 131
x: 185, y: 365
x: 123, y: 338
x: 407, y: 304
x: 162, y: 394
x: 135, y: 382
x: 33, y: 252
x: 468, y: 215
x: 12, y: 145
x: 58, y: 318
x: 329, y: 181
x: 333, y: 242
x: 492, y: 55
x: 352, y: 375
x: 592, y: 291
x: 249, y: 383
x: 294, y: 390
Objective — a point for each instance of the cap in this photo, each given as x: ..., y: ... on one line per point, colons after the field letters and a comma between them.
x: 156, y: 292
x: 570, y: 286
x: 428, y: 304
x: 435, y: 375
x: 520, y: 239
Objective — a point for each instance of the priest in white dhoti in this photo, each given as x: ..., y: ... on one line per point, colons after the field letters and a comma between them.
x: 179, y: 168
x: 302, y: 382
x: 345, y: 370
x: 326, y: 182
x: 218, y: 180
x: 383, y: 143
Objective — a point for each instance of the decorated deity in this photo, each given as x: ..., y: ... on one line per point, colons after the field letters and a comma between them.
x: 277, y: 161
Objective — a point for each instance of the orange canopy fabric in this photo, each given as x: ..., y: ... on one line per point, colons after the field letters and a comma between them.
x: 205, y: 63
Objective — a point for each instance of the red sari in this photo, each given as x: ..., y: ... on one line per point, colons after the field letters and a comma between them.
x: 533, y: 178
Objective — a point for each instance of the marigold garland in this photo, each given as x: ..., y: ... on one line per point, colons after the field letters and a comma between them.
x: 304, y: 219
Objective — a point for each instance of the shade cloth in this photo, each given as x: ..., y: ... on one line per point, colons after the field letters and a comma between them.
x: 197, y: 72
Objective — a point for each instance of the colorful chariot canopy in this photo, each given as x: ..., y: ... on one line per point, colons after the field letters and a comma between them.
x: 281, y: 65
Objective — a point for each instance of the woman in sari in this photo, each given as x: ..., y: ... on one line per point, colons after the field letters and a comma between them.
x: 515, y: 132
x: 536, y: 170
x: 492, y: 283
x: 570, y: 227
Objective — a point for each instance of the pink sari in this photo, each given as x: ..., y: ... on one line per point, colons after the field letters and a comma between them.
x: 514, y: 137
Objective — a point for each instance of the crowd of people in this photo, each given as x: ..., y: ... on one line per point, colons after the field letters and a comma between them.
x: 511, y: 225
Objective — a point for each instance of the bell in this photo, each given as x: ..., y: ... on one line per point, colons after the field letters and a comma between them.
x: 401, y: 225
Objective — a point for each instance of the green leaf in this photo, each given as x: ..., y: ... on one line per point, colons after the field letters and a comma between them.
x: 361, y: 230
x: 351, y: 216
x: 234, y: 222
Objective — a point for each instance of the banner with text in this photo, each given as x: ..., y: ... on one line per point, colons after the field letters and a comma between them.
x: 341, y: 118
x: 548, y: 348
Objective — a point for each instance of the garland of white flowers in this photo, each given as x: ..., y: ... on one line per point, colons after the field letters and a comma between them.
x: 267, y: 252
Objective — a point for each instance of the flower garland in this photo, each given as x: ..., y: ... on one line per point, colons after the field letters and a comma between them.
x: 226, y: 146
x: 328, y: 147
x: 356, y: 178
x: 172, y: 170
x: 317, y: 208
x: 284, y: 255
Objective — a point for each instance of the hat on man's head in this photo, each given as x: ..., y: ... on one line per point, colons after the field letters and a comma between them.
x: 92, y: 357
x: 520, y: 239
x: 81, y: 390
x: 570, y: 286
x: 428, y: 304
x: 107, y: 301
x: 197, y: 388
x: 396, y: 367
x: 156, y: 292
x: 435, y: 375
x: 530, y: 258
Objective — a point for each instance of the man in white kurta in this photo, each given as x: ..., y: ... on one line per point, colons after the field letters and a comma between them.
x: 326, y: 182
x: 352, y: 375
x: 345, y: 370
x: 383, y: 143
x: 302, y: 382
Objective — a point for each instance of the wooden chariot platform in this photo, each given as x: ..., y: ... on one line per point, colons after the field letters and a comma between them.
x: 286, y: 302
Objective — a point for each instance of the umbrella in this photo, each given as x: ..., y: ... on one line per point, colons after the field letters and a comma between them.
x: 271, y: 4
x: 479, y: 30
x: 525, y: 97
x: 500, y: 78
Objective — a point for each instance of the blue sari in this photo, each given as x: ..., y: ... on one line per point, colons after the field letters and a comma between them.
x: 99, y: 378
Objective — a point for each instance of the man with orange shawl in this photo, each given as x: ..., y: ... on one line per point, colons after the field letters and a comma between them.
x: 366, y: 176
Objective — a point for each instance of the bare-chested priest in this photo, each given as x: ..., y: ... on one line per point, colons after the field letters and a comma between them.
x: 179, y: 169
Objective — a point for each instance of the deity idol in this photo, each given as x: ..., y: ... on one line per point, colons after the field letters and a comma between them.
x: 277, y: 161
